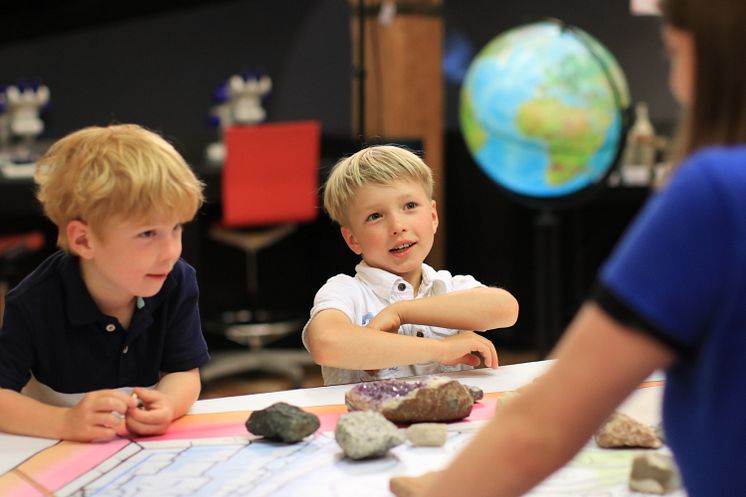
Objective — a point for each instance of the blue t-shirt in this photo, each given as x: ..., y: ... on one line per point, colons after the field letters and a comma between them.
x: 54, y: 330
x: 680, y: 275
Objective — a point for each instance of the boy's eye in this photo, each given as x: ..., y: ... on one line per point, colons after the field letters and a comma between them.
x: 410, y: 205
x: 147, y: 234
x: 373, y: 216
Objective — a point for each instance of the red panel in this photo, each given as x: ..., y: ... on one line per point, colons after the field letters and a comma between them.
x: 270, y: 174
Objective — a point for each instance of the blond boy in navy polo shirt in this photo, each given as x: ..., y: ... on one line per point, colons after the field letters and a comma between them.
x: 397, y: 316
x: 115, y: 311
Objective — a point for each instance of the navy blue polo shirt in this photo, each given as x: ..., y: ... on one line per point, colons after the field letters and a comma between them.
x: 53, y: 329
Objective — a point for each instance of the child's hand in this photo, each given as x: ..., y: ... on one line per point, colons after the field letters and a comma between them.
x: 411, y: 486
x: 386, y: 320
x: 155, y: 415
x: 98, y: 416
x: 460, y: 348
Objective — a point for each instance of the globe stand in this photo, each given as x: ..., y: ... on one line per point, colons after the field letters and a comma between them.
x: 547, y: 251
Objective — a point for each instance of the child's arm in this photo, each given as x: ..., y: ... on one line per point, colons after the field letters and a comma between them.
x: 170, y: 400
x: 480, y: 309
x: 98, y: 416
x: 334, y: 341
x: 599, y: 362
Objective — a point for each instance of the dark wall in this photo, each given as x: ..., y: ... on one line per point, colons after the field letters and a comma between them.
x: 157, y: 63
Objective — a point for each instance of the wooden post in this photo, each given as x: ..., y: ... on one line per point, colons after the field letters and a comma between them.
x: 402, y: 82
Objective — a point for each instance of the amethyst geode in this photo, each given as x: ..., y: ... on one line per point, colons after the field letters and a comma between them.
x: 437, y: 398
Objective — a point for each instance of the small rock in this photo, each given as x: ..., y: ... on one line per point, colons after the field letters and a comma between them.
x: 622, y: 431
x: 654, y: 473
x: 283, y: 422
x: 366, y: 434
x: 475, y: 392
x: 427, y: 434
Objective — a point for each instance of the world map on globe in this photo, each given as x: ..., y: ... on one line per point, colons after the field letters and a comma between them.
x: 542, y: 110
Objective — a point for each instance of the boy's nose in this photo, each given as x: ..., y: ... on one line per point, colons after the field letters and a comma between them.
x: 397, y: 226
x: 172, y: 248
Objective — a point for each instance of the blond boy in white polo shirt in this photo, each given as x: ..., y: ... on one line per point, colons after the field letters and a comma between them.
x: 397, y: 316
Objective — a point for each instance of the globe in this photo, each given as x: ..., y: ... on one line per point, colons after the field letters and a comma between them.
x: 543, y: 111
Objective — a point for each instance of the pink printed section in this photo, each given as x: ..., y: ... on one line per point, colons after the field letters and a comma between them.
x: 13, y: 485
x: 51, y: 468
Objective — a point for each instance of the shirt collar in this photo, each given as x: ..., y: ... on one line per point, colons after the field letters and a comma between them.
x: 385, y: 284
x: 81, y: 308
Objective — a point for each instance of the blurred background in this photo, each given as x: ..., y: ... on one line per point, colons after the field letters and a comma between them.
x: 162, y: 64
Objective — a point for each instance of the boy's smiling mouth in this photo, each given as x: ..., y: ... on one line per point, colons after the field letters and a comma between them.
x: 402, y: 247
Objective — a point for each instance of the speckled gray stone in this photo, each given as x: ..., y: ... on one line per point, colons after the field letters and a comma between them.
x: 283, y: 422
x: 366, y: 434
x: 654, y: 473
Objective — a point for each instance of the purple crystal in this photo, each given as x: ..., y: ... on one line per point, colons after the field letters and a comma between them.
x: 378, y: 391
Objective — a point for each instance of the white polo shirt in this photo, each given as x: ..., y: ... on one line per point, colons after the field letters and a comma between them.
x: 365, y: 295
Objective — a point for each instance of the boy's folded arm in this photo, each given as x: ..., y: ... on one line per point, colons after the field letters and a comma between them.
x: 22, y: 415
x: 98, y: 416
x: 334, y: 341
x: 478, y: 309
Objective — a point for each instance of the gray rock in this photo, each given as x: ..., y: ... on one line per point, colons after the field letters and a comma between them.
x: 427, y: 434
x: 283, y: 422
x: 366, y: 434
x: 654, y: 473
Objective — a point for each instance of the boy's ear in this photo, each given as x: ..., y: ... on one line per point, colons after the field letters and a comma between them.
x: 435, y: 216
x: 79, y: 239
x: 350, y: 240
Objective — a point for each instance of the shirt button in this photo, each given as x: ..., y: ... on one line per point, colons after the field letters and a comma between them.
x: 401, y: 287
x: 110, y: 327
x: 420, y: 334
x: 125, y: 349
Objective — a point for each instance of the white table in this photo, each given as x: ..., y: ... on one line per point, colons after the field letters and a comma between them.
x: 643, y: 404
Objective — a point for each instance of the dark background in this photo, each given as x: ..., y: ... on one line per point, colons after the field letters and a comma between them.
x: 157, y: 63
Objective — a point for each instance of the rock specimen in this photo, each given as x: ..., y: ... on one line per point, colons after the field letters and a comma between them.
x: 283, y: 422
x: 427, y: 434
x: 622, y: 431
x: 364, y: 435
x: 436, y: 398
x: 654, y: 473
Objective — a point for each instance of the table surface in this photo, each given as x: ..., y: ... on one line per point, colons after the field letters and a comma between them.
x: 16, y: 449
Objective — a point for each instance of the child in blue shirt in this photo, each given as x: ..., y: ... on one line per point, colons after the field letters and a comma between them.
x: 111, y: 320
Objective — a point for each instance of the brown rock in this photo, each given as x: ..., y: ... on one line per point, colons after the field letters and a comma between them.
x: 622, y: 431
x: 436, y: 398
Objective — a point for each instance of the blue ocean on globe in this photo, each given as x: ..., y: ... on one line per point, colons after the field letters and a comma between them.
x: 542, y: 110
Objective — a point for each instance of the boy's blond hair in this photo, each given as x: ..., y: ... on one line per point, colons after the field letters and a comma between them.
x: 381, y: 165
x: 120, y: 172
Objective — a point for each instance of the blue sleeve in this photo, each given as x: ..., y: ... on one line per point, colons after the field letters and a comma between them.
x: 671, y: 264
x: 185, y: 346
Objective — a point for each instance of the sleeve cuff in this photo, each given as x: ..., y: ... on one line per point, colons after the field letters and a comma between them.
x: 625, y: 315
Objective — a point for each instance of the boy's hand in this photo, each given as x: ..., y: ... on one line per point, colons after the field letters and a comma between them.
x: 98, y: 416
x: 155, y: 415
x: 386, y: 320
x: 460, y: 348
